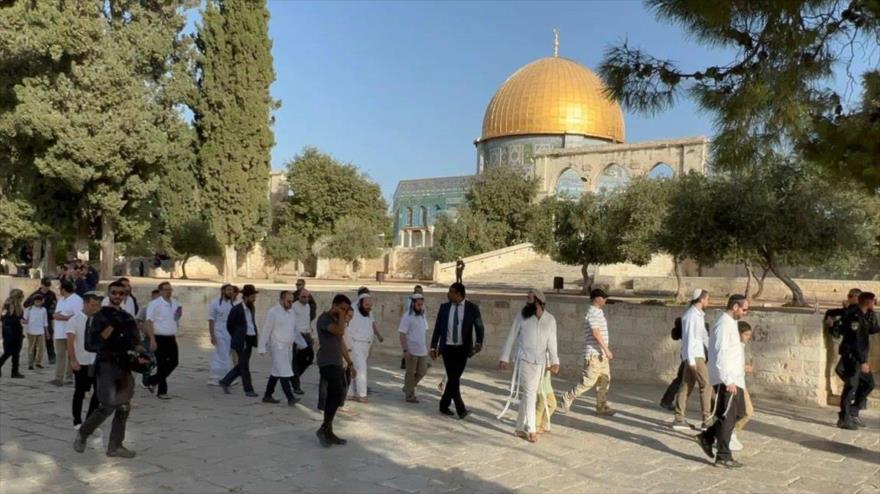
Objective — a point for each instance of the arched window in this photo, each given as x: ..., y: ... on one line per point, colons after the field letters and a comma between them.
x: 569, y: 184
x: 661, y: 170
x: 611, y: 179
x: 423, y: 216
x: 409, y: 217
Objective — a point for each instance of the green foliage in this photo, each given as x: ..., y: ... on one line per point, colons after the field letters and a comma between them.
x: 504, y: 195
x: 16, y: 223
x: 285, y: 246
x: 233, y: 116
x: 194, y: 238
x: 353, y: 239
x: 324, y: 191
x: 689, y: 230
x: 581, y: 232
x: 765, y: 95
x: 469, y: 234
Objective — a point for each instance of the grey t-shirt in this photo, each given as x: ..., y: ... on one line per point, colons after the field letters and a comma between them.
x: 330, y: 350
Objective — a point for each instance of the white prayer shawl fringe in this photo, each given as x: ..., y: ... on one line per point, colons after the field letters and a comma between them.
x: 513, y: 394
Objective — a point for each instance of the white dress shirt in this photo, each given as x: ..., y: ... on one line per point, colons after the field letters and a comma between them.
x: 77, y: 326
x: 694, y: 338
x: 37, y: 320
x: 164, y: 316
x: 278, y: 328
x: 449, y: 324
x: 726, y: 356
x: 415, y: 327
x: 68, y: 306
x: 249, y: 321
x: 535, y: 339
x: 303, y: 317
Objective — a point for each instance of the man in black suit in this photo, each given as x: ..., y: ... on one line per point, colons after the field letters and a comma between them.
x: 242, y: 326
x: 453, y: 338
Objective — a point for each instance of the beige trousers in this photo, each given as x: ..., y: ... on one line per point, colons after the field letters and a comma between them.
x: 416, y: 368
x: 699, y: 376
x: 750, y: 412
x: 597, y: 372
x: 62, y: 363
x: 35, y: 349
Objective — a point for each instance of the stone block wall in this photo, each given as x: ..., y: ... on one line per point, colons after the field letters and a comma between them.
x: 824, y: 290
x: 489, y: 261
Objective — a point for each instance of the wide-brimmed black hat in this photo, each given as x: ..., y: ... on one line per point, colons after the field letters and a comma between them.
x: 248, y: 290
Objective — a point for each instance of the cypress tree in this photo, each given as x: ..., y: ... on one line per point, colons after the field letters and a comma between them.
x: 233, y: 115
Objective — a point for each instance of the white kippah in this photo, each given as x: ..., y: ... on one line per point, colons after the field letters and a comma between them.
x: 363, y: 296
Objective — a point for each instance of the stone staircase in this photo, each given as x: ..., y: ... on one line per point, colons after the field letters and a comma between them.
x: 532, y: 273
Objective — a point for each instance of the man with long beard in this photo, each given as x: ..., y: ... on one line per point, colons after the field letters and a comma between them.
x: 534, y: 334
x: 360, y: 333
x: 413, y: 332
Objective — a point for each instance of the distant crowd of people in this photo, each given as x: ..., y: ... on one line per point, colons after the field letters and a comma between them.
x: 98, y: 343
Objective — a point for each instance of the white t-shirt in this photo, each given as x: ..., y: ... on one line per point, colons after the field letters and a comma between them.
x: 77, y: 327
x: 164, y: 315
x: 69, y: 306
x: 415, y: 327
x: 37, y: 320
x: 303, y: 317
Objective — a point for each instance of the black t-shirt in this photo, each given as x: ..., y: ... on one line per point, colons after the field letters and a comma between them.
x: 125, y: 332
x: 330, y: 351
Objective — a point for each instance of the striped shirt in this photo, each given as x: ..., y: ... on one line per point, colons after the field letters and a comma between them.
x: 595, y: 319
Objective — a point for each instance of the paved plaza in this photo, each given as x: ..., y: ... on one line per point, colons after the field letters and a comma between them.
x: 203, y: 441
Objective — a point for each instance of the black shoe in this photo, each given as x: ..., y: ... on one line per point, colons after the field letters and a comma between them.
x: 856, y: 420
x: 269, y: 399
x: 705, y: 445
x: 446, y: 411
x: 225, y: 387
x: 667, y: 406
x: 120, y: 452
x: 334, y: 439
x: 79, y: 443
x: 251, y: 394
x: 463, y: 415
x: 292, y: 402
x: 17, y: 375
x: 52, y: 361
x: 148, y: 387
x: 322, y: 436
x: 30, y: 367
x: 298, y: 391
x: 849, y: 425
x: 39, y: 366
x: 731, y: 463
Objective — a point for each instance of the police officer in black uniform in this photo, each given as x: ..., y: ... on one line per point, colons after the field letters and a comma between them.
x: 833, y: 316
x: 115, y: 334
x: 858, y: 324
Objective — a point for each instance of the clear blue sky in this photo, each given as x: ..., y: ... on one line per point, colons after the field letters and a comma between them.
x: 399, y: 88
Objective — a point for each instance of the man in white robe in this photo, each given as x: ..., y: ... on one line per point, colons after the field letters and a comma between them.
x: 534, y: 335
x: 359, y: 338
x: 218, y: 313
x: 278, y: 337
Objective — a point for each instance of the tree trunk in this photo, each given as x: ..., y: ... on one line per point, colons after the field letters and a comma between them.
x: 797, y: 296
x: 764, y: 271
x: 49, y: 267
x: 108, y: 246
x: 81, y: 242
x: 679, y: 284
x: 588, y: 280
x: 750, y: 273
x: 230, y: 263
x: 183, y: 275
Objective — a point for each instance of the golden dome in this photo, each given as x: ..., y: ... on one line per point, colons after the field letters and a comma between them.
x: 553, y: 95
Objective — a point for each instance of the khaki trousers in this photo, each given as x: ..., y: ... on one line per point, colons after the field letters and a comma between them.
x: 416, y: 368
x: 62, y: 363
x: 699, y: 376
x: 35, y: 349
x: 750, y: 412
x: 543, y: 413
x: 597, y: 372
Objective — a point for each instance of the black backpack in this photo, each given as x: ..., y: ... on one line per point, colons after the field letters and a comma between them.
x: 676, y: 329
x: 92, y: 340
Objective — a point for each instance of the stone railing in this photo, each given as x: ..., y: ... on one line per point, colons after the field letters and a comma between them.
x: 488, y: 261
x: 824, y: 290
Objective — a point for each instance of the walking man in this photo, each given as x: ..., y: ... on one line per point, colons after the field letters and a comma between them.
x: 130, y: 304
x: 459, y: 270
x: 50, y: 300
x: 69, y: 305
x: 163, y: 319
x: 305, y: 310
x: 413, y: 332
x: 694, y: 340
x: 36, y: 321
x: 597, y: 358
x: 745, y: 336
x: 116, y: 333
x: 727, y: 375
x: 407, y: 304
x: 361, y: 331
x: 331, y: 353
x: 857, y: 325
x: 278, y: 337
x: 218, y: 313
x: 458, y: 336
x: 242, y: 330
x: 82, y: 361
x: 534, y: 335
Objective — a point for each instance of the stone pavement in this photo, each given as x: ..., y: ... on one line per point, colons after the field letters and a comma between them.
x: 203, y: 441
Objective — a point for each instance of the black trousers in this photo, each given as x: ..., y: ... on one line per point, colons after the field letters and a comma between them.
x: 454, y: 360
x: 166, y: 362
x: 115, y: 389
x: 83, y: 383
x: 729, y: 409
x: 285, y: 386
x: 12, y: 341
x: 672, y: 389
x: 50, y: 341
x: 334, y: 377
x: 243, y: 367
x: 857, y: 385
x: 302, y: 359
x: 322, y: 389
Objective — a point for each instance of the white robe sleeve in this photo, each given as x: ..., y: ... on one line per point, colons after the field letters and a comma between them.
x: 551, y: 345
x: 511, y: 339
x: 266, y: 333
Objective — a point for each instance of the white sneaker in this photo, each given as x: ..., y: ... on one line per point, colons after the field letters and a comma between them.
x: 76, y: 427
x: 735, y: 445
